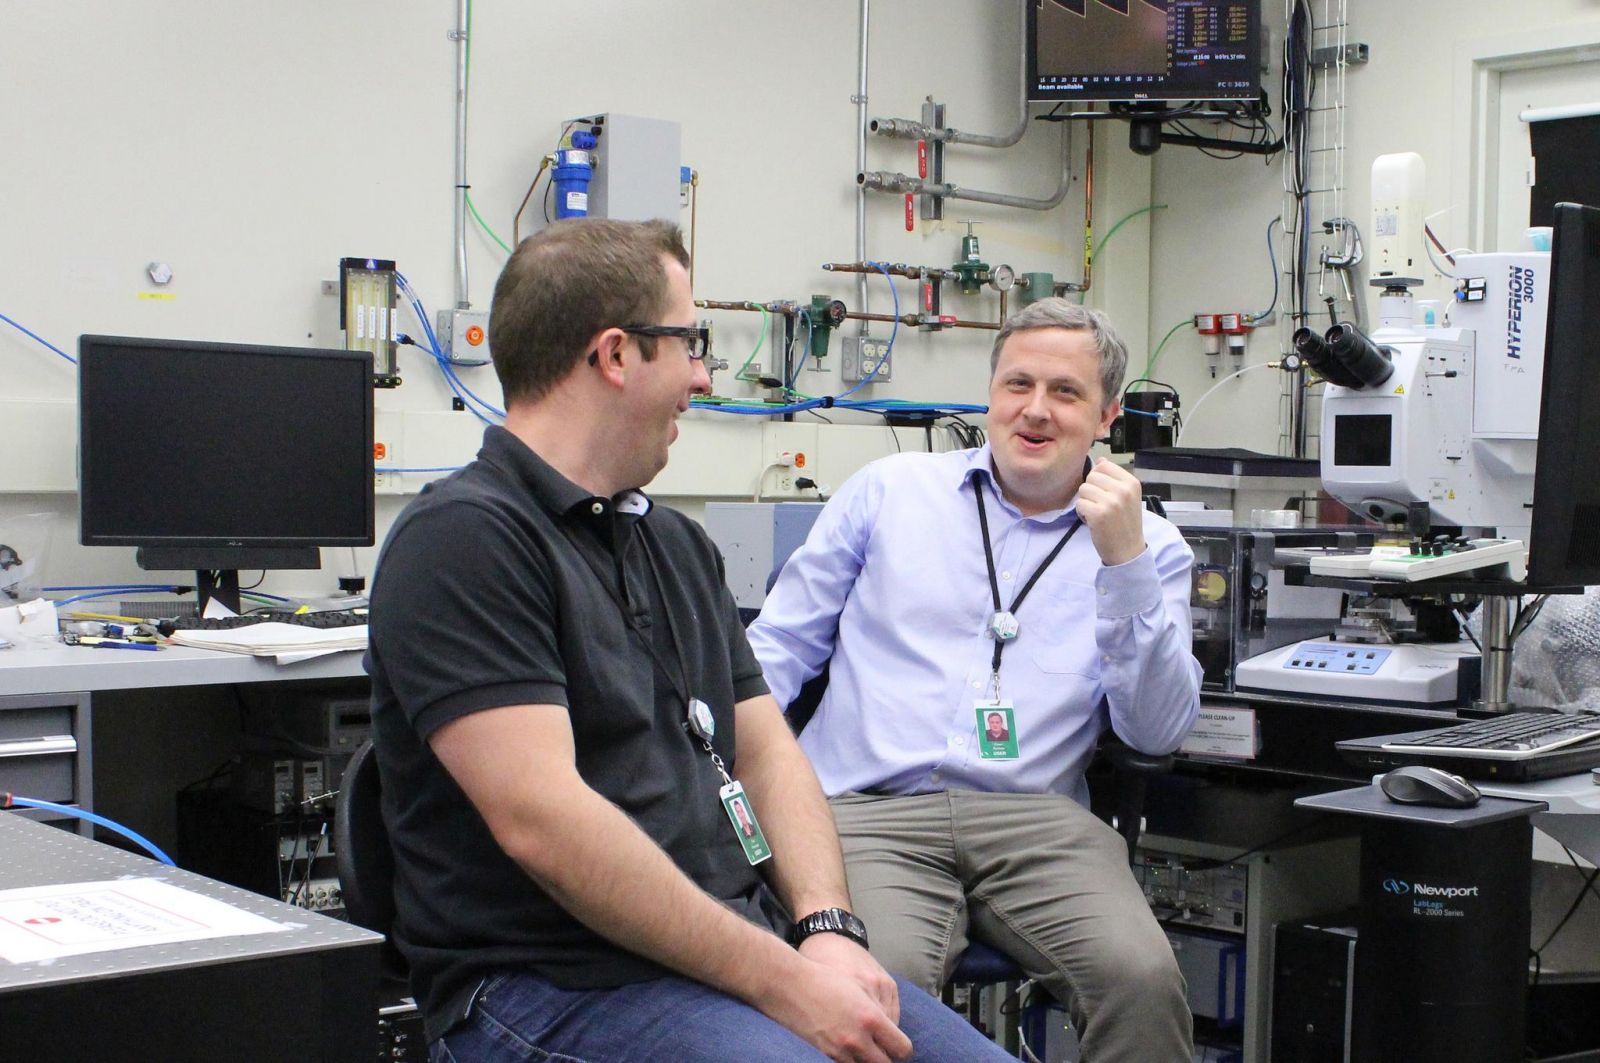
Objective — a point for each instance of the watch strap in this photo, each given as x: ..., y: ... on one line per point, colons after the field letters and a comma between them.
x: 829, y: 921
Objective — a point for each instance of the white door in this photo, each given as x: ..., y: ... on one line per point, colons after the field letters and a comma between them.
x: 1563, y: 85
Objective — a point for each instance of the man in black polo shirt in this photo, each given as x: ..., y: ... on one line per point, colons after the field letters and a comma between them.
x: 572, y: 730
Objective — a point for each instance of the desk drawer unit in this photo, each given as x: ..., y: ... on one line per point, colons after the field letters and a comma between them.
x: 44, y: 749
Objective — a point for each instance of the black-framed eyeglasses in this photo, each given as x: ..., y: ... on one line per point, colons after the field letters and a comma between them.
x: 696, y: 337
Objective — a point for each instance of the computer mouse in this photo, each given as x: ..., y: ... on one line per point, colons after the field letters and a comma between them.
x: 1417, y: 785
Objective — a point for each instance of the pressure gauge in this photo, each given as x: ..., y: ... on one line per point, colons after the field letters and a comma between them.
x: 1002, y: 277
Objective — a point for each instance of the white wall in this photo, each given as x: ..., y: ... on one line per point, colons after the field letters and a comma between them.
x: 251, y: 146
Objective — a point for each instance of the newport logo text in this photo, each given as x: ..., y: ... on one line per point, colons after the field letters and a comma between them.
x: 1422, y: 889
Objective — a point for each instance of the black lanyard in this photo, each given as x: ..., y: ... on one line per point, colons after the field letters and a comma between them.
x: 680, y: 682
x: 994, y: 583
x: 699, y: 730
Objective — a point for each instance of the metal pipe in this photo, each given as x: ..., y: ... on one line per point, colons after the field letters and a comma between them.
x: 905, y: 129
x: 459, y: 35
x: 884, y: 181
x: 694, y: 217
x: 1088, y: 213
x: 913, y: 320
x: 860, y: 100
x: 713, y: 304
x: 1495, y: 667
x: 1297, y: 412
x: 898, y: 269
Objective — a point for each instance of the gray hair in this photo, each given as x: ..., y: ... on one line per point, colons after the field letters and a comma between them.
x: 1059, y: 313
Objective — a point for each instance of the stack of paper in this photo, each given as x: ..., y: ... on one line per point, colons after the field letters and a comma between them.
x: 287, y: 642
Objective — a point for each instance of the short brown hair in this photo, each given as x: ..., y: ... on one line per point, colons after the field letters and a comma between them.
x: 1056, y: 312
x: 569, y: 281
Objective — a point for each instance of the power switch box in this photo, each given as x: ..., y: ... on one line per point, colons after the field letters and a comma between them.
x: 464, y: 335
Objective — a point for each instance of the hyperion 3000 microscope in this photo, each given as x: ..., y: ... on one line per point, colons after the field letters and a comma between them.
x: 1433, y: 429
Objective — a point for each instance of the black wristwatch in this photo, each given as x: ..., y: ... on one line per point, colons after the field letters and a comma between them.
x: 829, y: 921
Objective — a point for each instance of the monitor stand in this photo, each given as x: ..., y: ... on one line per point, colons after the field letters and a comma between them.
x: 216, y: 569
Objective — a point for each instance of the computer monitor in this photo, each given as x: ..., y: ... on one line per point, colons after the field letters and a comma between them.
x: 1564, y: 543
x: 1133, y: 50
x: 219, y: 457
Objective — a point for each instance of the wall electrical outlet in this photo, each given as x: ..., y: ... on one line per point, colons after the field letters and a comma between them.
x: 383, y: 454
x: 858, y: 355
x: 790, y: 449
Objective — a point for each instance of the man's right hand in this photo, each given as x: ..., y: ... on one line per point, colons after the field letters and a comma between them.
x: 835, y: 1014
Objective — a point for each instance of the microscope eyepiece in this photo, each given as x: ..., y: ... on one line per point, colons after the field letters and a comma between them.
x: 1360, y: 357
x: 1319, y: 356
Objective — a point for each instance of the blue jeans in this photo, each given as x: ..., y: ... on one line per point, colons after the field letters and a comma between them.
x: 520, y: 1017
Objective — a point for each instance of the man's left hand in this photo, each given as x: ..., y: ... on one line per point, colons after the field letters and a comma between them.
x: 855, y: 962
x: 1111, y: 503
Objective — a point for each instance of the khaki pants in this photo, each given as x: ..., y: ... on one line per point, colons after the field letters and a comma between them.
x: 1037, y: 877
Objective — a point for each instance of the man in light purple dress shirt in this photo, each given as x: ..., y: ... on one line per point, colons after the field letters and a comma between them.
x: 940, y: 589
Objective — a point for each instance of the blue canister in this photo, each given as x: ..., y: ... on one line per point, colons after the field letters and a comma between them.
x: 571, y: 178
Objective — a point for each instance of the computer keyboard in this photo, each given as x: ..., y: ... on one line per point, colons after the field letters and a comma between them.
x: 1514, y: 736
x: 324, y: 619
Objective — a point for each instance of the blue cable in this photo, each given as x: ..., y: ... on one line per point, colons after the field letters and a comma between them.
x: 758, y: 411
x: 804, y: 354
x: 914, y: 407
x: 35, y: 336
x: 456, y: 385
x: 50, y: 806
x: 58, y: 603
x: 877, y: 406
x: 117, y: 587
x: 431, y: 468
x: 893, y: 332
x: 1272, y: 256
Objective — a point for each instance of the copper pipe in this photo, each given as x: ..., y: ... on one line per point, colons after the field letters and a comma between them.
x: 914, y: 320
x: 694, y: 215
x: 713, y: 304
x: 1088, y: 213
x: 898, y: 269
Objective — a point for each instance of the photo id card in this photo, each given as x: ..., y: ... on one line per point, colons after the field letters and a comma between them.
x: 997, y: 730
x: 745, y: 826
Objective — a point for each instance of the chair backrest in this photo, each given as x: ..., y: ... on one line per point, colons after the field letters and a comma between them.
x: 362, y: 855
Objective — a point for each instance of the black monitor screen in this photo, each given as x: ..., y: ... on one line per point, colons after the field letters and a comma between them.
x: 218, y: 445
x: 1564, y: 543
x: 1143, y: 50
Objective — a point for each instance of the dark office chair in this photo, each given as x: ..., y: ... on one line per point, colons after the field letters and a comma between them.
x: 364, y: 861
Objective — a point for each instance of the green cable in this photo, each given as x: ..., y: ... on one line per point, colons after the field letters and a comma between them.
x: 1150, y: 366
x: 765, y: 318
x: 1095, y: 254
x: 473, y: 210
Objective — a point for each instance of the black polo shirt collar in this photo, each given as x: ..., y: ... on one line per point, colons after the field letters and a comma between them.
x: 555, y: 492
